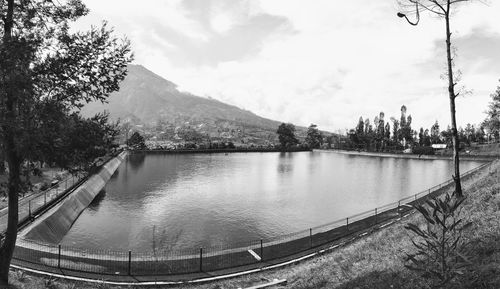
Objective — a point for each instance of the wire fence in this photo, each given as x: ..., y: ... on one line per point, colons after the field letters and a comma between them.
x: 163, y: 262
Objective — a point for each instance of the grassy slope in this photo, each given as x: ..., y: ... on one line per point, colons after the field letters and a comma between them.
x: 377, y: 260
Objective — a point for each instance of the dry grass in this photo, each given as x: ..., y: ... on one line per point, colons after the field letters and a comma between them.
x: 377, y: 260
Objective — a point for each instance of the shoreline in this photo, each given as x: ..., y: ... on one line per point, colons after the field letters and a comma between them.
x: 410, y: 156
x: 217, y: 151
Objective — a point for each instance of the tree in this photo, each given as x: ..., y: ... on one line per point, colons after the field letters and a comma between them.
x: 329, y: 141
x: 395, y: 130
x: 360, y: 127
x: 492, y: 122
x: 314, y: 138
x: 42, y: 60
x: 286, y: 135
x: 447, y: 136
x: 72, y: 141
x: 427, y: 138
x: 443, y: 9
x: 387, y: 132
x: 480, y: 134
x: 435, y: 133
x: 381, y: 130
x: 136, y: 141
x: 406, y: 133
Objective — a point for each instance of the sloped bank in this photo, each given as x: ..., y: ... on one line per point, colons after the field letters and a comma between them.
x: 52, y: 227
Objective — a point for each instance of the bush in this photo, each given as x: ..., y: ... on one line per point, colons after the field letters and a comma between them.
x: 440, y: 253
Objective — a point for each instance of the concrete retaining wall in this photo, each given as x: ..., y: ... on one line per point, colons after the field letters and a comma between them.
x: 57, y: 223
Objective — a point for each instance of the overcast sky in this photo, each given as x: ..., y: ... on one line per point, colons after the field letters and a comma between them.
x: 324, y: 62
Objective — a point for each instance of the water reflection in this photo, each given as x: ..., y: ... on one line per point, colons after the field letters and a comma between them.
x: 136, y: 160
x: 200, y: 200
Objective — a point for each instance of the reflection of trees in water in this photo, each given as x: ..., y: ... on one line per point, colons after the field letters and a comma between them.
x: 136, y: 160
x: 94, y: 205
x: 285, y: 163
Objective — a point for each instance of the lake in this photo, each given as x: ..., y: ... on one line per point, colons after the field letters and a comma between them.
x: 180, y: 201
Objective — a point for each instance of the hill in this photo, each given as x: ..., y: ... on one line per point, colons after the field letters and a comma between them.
x: 151, y: 102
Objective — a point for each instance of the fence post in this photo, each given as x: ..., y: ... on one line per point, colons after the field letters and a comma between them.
x: 429, y: 192
x: 376, y: 219
x: 310, y: 237
x: 129, y: 261
x: 399, y: 207
x: 29, y: 209
x: 347, y: 224
x: 261, y: 251
x: 59, y: 256
x: 201, y: 259
x: 415, y: 197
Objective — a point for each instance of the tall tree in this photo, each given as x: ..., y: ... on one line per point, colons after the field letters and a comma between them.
x: 42, y: 60
x: 443, y: 9
x: 286, y: 135
x: 435, y: 133
x: 360, y: 128
x: 387, y: 132
x: 314, y: 138
x: 492, y: 122
x: 395, y: 130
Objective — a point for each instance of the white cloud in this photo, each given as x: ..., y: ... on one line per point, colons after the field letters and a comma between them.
x: 335, y: 61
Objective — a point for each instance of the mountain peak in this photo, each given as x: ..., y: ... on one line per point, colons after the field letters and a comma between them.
x: 148, y: 98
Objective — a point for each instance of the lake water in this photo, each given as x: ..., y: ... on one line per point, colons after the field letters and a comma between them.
x: 199, y: 200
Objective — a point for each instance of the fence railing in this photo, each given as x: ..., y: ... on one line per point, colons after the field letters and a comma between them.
x: 176, y: 262
x: 32, y: 204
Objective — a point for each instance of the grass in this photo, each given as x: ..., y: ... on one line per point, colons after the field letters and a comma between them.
x: 375, y: 261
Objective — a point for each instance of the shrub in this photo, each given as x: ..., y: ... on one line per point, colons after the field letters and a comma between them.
x: 440, y: 253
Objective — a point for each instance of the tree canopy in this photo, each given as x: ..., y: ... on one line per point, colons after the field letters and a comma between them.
x: 286, y: 135
x: 492, y: 121
x: 48, y: 72
x: 314, y: 138
x: 136, y: 141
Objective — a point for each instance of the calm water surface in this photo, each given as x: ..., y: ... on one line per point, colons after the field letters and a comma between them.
x: 201, y: 200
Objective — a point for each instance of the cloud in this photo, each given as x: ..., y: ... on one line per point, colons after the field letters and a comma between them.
x: 325, y: 62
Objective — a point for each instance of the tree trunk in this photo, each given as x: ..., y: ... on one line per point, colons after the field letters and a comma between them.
x: 13, y: 159
x: 452, y: 95
x: 2, y: 161
x: 9, y: 243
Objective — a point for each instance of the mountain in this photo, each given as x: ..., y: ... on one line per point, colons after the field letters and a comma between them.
x: 149, y: 100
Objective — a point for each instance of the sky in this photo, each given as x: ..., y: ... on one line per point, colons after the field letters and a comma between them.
x: 326, y: 62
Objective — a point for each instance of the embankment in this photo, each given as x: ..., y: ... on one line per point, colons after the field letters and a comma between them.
x: 52, y: 227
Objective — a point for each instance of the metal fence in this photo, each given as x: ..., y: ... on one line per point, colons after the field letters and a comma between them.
x: 35, y: 203
x: 253, y: 253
